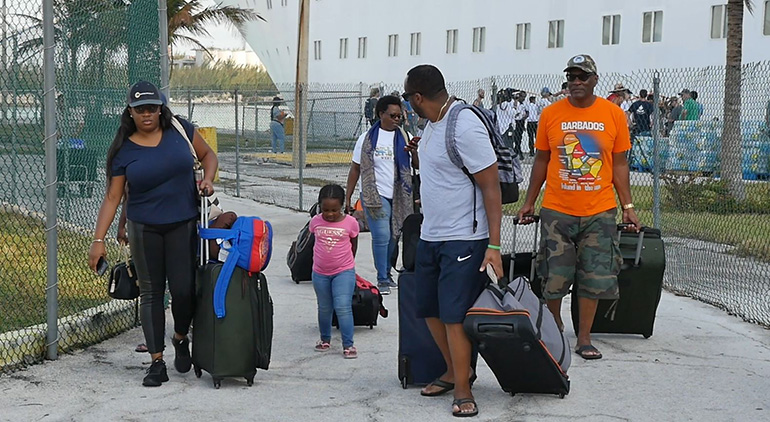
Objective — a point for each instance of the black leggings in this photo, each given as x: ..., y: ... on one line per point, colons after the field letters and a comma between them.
x: 164, y: 252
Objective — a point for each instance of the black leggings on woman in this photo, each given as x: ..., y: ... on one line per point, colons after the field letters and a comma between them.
x: 164, y: 252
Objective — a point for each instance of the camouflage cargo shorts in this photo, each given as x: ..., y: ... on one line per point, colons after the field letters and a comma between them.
x: 579, y: 249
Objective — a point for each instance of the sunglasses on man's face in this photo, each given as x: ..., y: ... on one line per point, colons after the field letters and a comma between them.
x: 407, y: 95
x: 582, y: 76
x: 147, y: 108
x: 395, y: 116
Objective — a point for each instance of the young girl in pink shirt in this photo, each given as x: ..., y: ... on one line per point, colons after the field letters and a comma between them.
x: 334, y: 273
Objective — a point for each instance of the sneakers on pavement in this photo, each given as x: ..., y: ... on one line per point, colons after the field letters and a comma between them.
x: 384, y: 288
x: 392, y: 284
x: 182, y: 360
x: 156, y: 374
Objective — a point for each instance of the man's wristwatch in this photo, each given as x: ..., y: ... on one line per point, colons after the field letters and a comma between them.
x: 627, y: 206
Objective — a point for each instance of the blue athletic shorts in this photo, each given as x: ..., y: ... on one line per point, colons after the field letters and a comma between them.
x: 448, y: 278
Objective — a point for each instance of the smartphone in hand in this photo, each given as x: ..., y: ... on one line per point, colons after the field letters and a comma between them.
x: 102, y: 266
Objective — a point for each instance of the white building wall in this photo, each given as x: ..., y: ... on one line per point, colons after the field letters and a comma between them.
x: 686, y: 38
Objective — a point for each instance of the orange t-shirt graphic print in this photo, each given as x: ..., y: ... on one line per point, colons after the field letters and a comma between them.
x: 582, y: 142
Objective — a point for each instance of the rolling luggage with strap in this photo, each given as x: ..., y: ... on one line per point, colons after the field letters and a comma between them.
x: 239, y: 343
x: 640, y: 282
x: 517, y: 336
x: 522, y: 264
x: 367, y: 305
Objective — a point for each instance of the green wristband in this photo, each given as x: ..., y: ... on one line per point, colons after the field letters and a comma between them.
x: 495, y: 247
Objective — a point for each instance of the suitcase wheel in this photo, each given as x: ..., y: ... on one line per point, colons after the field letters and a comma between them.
x: 296, y: 281
x: 198, y: 372
x: 371, y: 327
x: 403, y: 383
x: 647, y: 335
x: 250, y: 380
x: 561, y: 395
x: 217, y: 382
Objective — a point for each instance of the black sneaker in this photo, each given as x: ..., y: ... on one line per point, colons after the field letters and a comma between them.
x: 182, y: 360
x: 156, y: 374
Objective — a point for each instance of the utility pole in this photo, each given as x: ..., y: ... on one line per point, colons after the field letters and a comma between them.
x: 299, y: 139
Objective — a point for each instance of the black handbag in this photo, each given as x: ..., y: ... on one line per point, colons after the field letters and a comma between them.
x: 123, y: 281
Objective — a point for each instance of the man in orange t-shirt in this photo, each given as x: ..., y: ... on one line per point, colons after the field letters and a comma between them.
x: 581, y: 145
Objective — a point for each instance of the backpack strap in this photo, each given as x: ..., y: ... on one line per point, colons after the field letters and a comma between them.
x: 451, y: 146
x: 223, y: 281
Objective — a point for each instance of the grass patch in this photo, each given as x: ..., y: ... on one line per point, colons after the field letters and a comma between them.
x: 23, y: 272
x: 746, y: 229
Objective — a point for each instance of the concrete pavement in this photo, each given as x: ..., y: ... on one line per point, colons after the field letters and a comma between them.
x: 700, y: 365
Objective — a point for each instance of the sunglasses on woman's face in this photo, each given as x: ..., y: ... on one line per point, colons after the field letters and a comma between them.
x: 147, y: 108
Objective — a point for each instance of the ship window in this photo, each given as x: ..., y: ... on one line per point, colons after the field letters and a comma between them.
x: 522, y: 36
x: 414, y: 48
x: 451, y: 41
x: 766, y: 30
x: 611, y: 30
x: 269, y: 4
x: 479, y: 35
x: 361, y: 47
x: 393, y: 45
x: 719, y: 21
x: 317, y: 49
x: 343, y: 48
x: 556, y: 34
x: 652, y: 26
x: 284, y: 3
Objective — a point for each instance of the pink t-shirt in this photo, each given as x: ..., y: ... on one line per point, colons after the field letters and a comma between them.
x: 333, y: 252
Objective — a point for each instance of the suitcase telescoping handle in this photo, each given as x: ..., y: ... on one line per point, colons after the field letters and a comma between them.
x: 639, y: 243
x: 204, y: 252
x: 516, y: 223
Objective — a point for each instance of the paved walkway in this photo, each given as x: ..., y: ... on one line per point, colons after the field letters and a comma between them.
x: 700, y: 365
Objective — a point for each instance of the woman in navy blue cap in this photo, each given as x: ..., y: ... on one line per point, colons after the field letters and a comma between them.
x: 152, y: 158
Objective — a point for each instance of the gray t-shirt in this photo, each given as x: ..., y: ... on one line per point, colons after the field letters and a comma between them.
x: 446, y: 192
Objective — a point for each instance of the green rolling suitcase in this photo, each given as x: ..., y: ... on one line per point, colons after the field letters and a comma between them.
x: 640, y: 282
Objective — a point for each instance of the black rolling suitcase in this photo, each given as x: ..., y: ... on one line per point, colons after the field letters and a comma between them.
x: 367, y: 305
x: 241, y: 342
x: 419, y: 359
x: 522, y: 264
x: 640, y: 282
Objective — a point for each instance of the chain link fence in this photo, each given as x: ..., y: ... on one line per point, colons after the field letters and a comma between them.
x: 718, y: 247
x: 99, y: 47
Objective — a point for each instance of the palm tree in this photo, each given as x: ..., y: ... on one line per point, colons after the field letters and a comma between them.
x: 731, y: 153
x: 188, y: 18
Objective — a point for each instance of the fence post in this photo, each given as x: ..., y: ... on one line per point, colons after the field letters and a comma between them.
x: 51, y: 222
x: 189, y: 104
x: 657, y: 161
x: 237, y: 152
x: 163, y: 33
x: 256, y: 118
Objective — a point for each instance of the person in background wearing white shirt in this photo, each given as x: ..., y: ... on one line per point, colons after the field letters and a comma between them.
x: 533, y: 116
x: 520, y: 116
x: 504, y: 112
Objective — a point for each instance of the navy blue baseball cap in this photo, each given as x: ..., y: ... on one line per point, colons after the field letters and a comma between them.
x: 142, y: 93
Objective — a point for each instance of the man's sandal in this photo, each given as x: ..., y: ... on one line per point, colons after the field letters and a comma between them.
x: 588, y: 352
x: 459, y: 413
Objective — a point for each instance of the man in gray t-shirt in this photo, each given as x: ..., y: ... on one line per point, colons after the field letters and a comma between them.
x: 452, y: 254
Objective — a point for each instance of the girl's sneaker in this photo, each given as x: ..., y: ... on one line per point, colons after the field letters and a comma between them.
x: 350, y: 352
x: 322, y: 346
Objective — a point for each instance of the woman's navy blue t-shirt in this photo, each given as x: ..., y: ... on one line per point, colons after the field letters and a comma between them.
x: 161, y: 182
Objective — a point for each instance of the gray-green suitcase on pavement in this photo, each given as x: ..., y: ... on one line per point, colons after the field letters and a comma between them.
x: 240, y: 343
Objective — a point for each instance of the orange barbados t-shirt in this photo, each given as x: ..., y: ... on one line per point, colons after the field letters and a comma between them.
x: 581, y: 142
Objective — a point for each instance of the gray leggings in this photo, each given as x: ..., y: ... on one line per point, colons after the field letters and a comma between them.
x: 164, y: 252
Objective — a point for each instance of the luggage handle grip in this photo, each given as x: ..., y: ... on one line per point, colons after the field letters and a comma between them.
x: 639, y: 243
x: 494, y: 328
x: 535, y: 219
